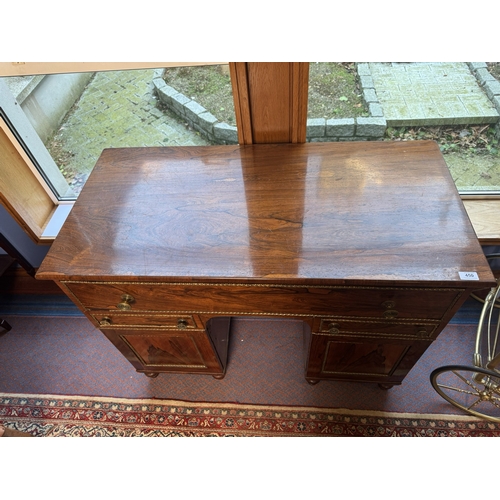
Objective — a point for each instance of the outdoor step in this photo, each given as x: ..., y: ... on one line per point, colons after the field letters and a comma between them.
x: 22, y: 86
x: 430, y: 94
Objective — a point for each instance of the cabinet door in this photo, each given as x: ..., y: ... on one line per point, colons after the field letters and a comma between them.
x: 155, y: 351
x: 358, y: 359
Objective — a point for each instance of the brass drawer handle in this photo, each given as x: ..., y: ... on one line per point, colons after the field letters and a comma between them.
x: 105, y: 321
x: 333, y: 328
x: 391, y: 314
x: 124, y: 305
x: 422, y: 333
x: 182, y: 324
x: 389, y: 304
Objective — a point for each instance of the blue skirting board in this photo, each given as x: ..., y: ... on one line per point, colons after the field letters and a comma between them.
x: 37, y: 305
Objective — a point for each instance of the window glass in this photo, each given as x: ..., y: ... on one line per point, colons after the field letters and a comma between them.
x: 455, y: 104
x: 78, y: 115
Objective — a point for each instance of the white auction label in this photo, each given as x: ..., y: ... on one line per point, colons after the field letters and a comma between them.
x: 468, y: 275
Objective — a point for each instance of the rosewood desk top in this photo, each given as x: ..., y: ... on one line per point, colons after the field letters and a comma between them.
x: 323, y: 213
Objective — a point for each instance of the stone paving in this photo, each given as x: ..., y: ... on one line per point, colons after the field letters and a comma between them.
x: 474, y: 173
x: 430, y: 94
x: 118, y: 109
x: 439, y: 94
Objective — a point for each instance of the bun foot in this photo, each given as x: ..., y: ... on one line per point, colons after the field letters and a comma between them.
x: 311, y: 381
x: 219, y: 377
x: 386, y: 387
x: 151, y: 374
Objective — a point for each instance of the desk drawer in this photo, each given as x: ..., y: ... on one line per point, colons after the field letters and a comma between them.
x: 338, y: 327
x: 170, y: 321
x: 375, y: 302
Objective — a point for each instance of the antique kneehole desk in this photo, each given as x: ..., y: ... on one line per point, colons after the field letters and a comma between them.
x: 368, y: 243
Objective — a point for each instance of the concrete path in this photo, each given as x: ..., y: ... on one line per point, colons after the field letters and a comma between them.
x: 117, y: 109
x: 430, y: 94
x: 439, y: 94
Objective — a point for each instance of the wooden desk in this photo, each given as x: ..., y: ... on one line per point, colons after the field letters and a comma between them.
x: 362, y: 241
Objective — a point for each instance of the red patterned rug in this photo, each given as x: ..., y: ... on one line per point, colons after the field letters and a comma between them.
x: 75, y: 416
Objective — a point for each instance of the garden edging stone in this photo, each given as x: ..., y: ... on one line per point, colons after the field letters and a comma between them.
x: 372, y: 127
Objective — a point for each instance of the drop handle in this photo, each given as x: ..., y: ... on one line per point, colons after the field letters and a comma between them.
x: 105, y: 321
x: 182, y: 324
x: 333, y: 328
x: 390, y: 314
x: 389, y: 304
x: 124, y: 305
x: 422, y: 333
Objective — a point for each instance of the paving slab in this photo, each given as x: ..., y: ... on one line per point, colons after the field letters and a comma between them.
x: 431, y: 94
x: 118, y: 109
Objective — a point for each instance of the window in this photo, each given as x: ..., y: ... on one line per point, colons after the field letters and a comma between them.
x: 456, y: 104
x: 250, y: 82
x: 77, y: 115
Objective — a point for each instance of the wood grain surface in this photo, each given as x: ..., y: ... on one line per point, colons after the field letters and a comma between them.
x: 311, y: 213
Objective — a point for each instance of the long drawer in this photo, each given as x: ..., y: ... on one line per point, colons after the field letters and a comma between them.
x: 283, y: 300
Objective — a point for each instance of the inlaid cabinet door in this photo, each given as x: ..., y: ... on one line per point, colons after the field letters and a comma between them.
x: 154, y: 351
x: 377, y: 360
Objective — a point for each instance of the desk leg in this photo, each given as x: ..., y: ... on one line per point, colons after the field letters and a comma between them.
x: 311, y: 381
x: 5, y: 326
x: 386, y: 387
x: 218, y: 330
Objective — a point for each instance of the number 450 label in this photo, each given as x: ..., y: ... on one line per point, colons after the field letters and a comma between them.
x: 468, y: 275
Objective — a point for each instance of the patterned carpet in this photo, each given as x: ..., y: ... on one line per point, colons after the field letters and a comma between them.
x: 67, y: 416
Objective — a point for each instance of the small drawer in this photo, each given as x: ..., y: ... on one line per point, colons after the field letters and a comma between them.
x: 107, y: 319
x: 120, y: 297
x: 393, y: 329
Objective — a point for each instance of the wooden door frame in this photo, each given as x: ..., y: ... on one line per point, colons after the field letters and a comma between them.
x: 270, y: 101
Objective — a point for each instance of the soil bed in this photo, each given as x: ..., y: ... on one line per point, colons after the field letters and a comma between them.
x: 334, y: 91
x: 494, y: 69
x: 467, y: 139
x: 209, y: 86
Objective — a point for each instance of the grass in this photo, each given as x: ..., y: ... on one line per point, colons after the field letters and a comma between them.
x: 334, y: 92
